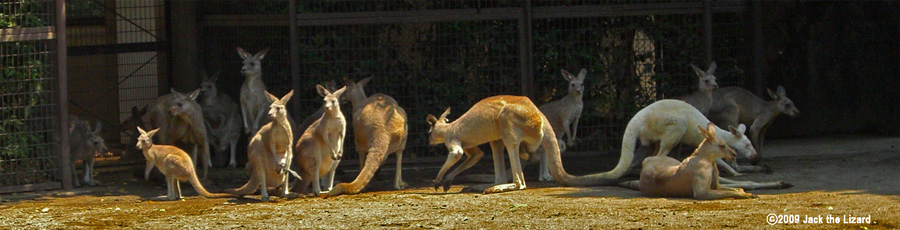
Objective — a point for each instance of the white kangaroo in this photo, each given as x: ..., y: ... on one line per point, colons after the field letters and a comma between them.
x: 702, y: 99
x: 321, y: 146
x: 254, y: 102
x: 563, y: 115
x: 735, y: 105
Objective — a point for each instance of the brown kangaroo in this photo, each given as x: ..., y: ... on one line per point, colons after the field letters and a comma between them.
x: 702, y: 99
x: 222, y: 116
x: 253, y: 97
x: 186, y: 125
x: 84, y: 145
x: 320, y: 148
x: 563, y: 115
x: 379, y: 129
x: 172, y: 162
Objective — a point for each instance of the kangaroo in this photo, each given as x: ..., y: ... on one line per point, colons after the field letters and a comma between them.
x: 563, y: 115
x: 504, y: 120
x: 159, y: 115
x: 702, y: 99
x: 695, y: 177
x: 172, y: 162
x: 222, y: 117
x: 186, y: 125
x: 84, y: 145
x: 135, y: 120
x: 320, y: 148
x: 253, y: 97
x: 270, y: 152
x: 379, y: 129
x: 735, y: 105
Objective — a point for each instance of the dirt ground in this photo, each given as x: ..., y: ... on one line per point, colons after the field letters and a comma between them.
x: 838, y: 176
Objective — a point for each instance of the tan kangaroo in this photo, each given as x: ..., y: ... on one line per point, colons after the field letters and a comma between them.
x: 172, y: 162
x: 320, y: 148
x: 702, y: 99
x: 563, y: 115
x: 695, y: 177
x: 379, y: 129
x: 270, y: 152
x: 84, y: 145
x: 187, y: 126
x: 735, y: 105
x: 504, y: 120
x: 222, y: 116
x: 253, y: 97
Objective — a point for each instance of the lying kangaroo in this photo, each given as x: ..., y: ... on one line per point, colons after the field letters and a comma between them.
x: 379, y: 129
x: 186, y: 126
x: 735, y: 105
x: 563, y: 115
x: 696, y: 176
x: 84, y: 145
x: 320, y: 148
x: 222, y: 117
x: 702, y: 99
x: 172, y: 162
x: 253, y: 97
x: 270, y: 152
x: 510, y: 121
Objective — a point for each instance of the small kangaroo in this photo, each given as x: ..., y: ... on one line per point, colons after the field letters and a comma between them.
x: 735, y: 105
x: 563, y: 115
x: 504, y: 120
x: 222, y: 117
x: 379, y: 129
x: 84, y: 145
x: 320, y: 148
x: 702, y: 99
x: 172, y: 162
x: 270, y: 153
x: 186, y: 125
x: 253, y: 97
x: 695, y: 177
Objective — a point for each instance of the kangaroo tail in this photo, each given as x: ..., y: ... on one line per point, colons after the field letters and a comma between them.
x: 376, y: 155
x: 195, y: 182
x: 248, y: 188
x: 629, y: 143
x: 632, y: 184
x: 551, y: 148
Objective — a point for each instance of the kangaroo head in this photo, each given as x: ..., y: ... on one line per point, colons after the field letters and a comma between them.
x: 785, y: 105
x: 277, y: 110
x: 707, y: 78
x: 736, y: 139
x: 438, y: 127
x: 355, y: 90
x: 332, y: 99
x: 208, y: 84
x: 145, y: 140
x: 92, y: 140
x: 576, y: 84
x: 252, y: 63
x: 134, y: 120
x: 713, y: 146
x: 183, y: 105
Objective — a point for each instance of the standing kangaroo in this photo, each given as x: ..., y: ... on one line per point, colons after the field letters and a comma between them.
x: 510, y: 121
x: 84, y: 145
x: 185, y: 125
x: 222, y: 117
x: 172, y: 162
x: 270, y: 152
x: 320, y: 148
x: 735, y: 105
x: 563, y: 115
x: 696, y: 176
x: 379, y: 129
x: 253, y: 97
x: 702, y: 99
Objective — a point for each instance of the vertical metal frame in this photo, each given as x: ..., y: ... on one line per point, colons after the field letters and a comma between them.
x: 61, y: 55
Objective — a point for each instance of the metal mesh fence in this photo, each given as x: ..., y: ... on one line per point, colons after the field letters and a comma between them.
x: 28, y: 99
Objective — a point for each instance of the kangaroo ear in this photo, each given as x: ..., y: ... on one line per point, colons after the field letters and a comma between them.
x: 444, y: 115
x: 322, y: 90
x: 142, y: 111
x: 568, y: 76
x: 141, y: 130
x: 339, y: 92
x: 193, y: 95
x: 431, y: 119
x: 271, y: 97
x: 151, y: 133
x: 712, y: 68
x: 781, y: 92
x: 735, y: 131
x: 705, y: 133
x: 364, y: 81
x: 742, y: 128
x: 711, y: 128
x: 772, y: 93
x: 582, y: 74
x: 134, y: 110
x: 261, y: 54
x: 172, y: 90
x: 287, y: 97
x: 698, y: 71
x: 242, y: 53
x: 98, y: 127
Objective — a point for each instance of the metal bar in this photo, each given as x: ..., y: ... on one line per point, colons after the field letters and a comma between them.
x: 126, y: 19
x: 758, y: 78
x: 27, y: 34
x: 525, y: 51
x: 294, y: 49
x: 61, y: 74
x: 117, y: 48
x: 707, y: 32
x: 32, y: 187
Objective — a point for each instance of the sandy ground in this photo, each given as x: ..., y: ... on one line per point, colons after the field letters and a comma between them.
x: 838, y: 176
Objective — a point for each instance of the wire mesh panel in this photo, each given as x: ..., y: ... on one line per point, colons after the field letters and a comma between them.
x: 28, y: 99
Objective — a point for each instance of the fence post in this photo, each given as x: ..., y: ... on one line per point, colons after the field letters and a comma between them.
x: 707, y: 32
x: 758, y: 78
x: 526, y: 54
x: 295, y: 52
x: 62, y: 80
